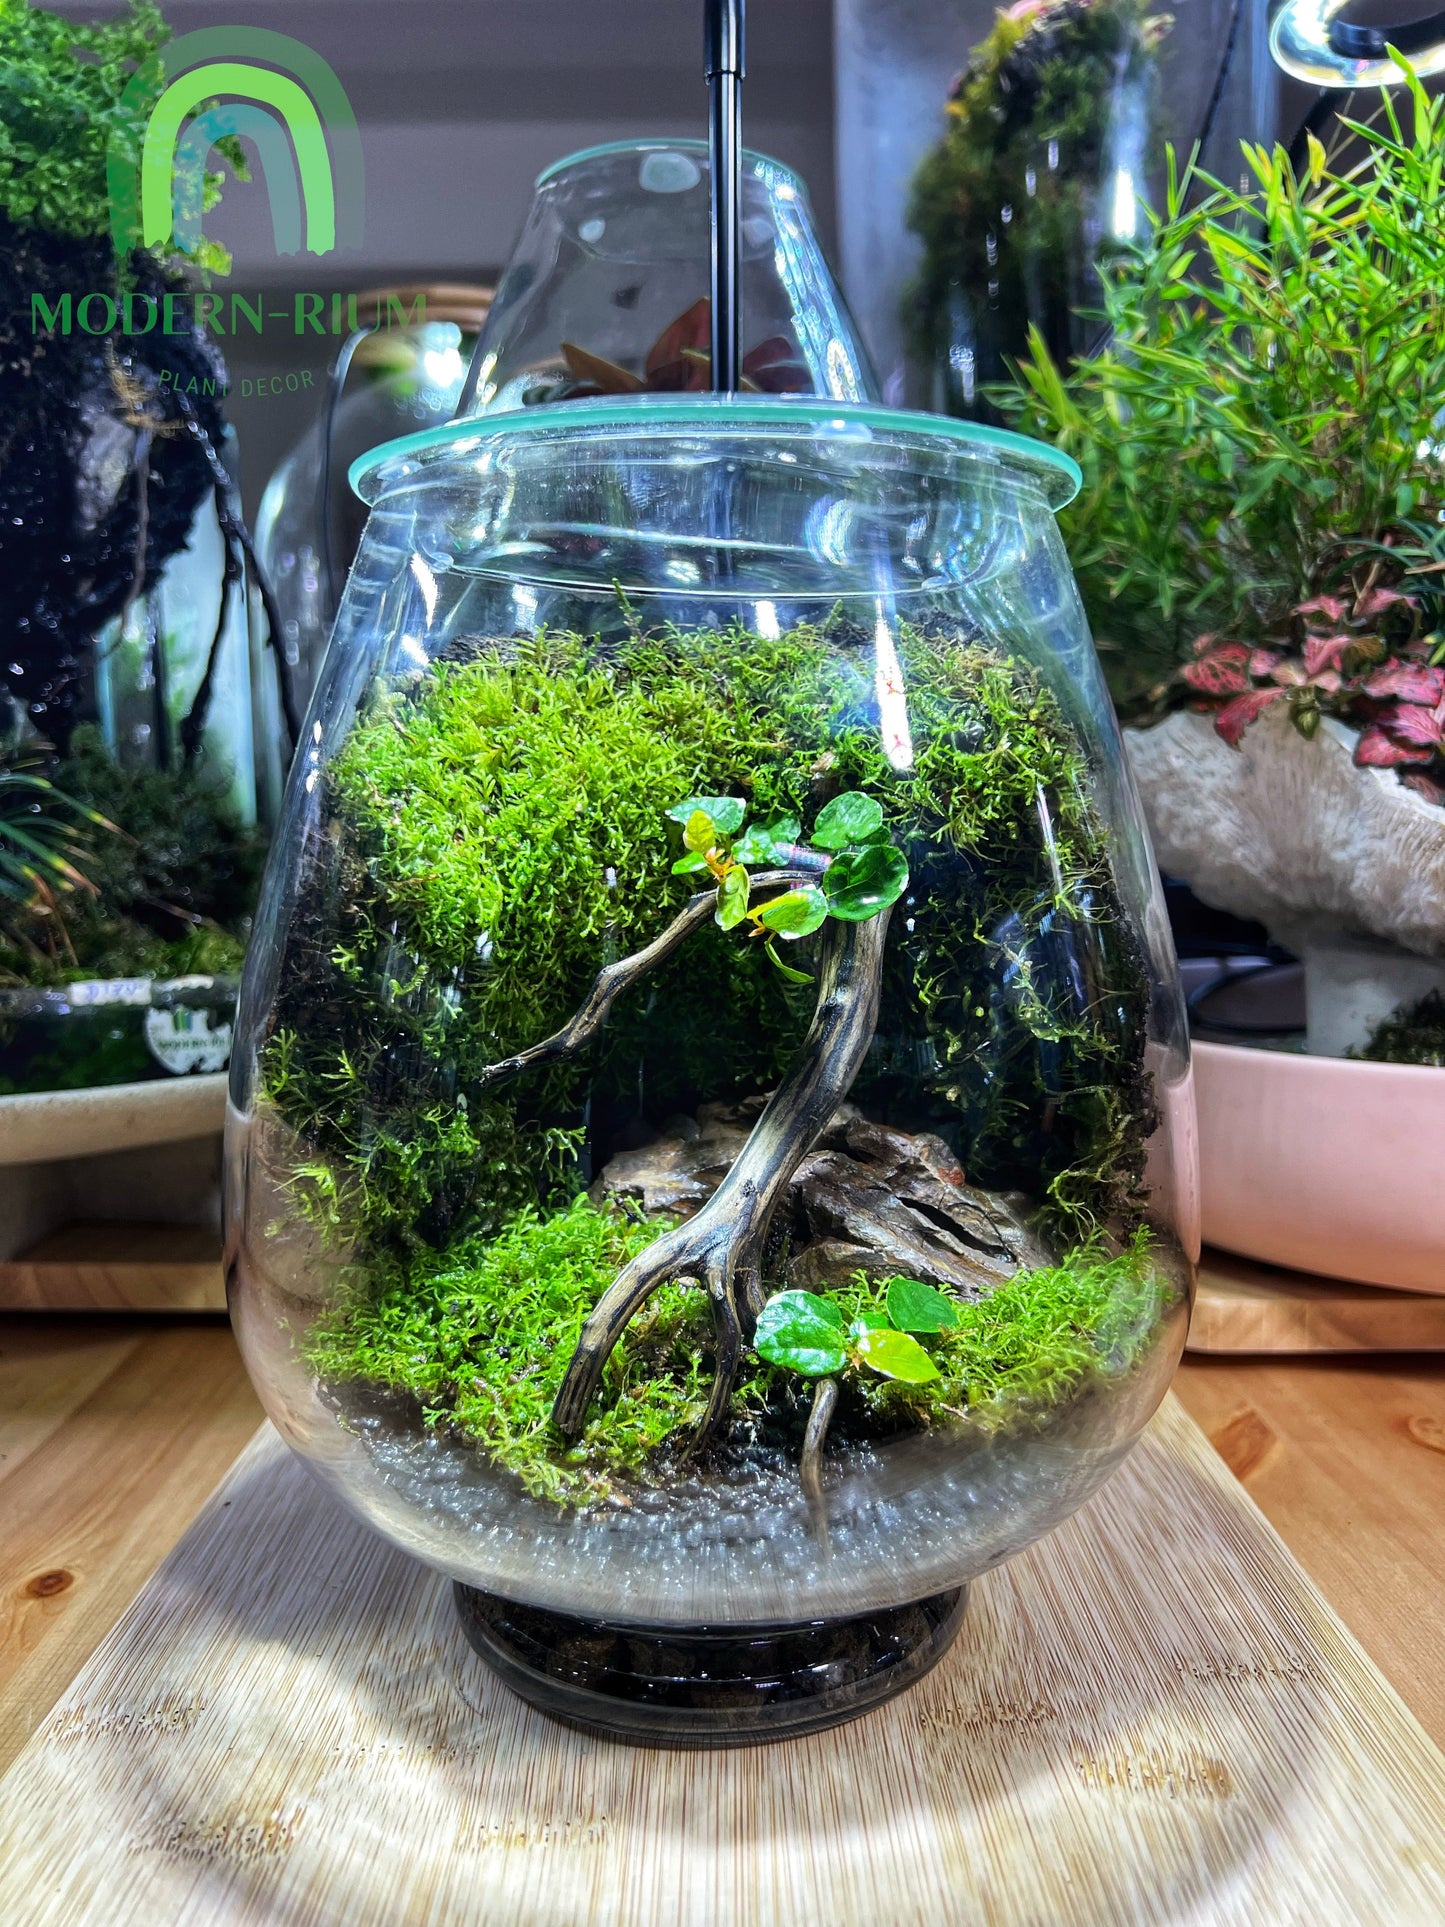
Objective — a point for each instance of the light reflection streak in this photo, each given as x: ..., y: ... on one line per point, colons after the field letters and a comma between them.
x: 892, y: 697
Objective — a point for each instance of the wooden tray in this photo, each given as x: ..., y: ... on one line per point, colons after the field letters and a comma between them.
x: 1151, y: 1717
x: 1244, y: 1307
x: 38, y: 1126
x: 117, y: 1267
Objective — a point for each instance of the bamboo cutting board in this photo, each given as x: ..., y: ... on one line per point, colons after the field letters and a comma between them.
x: 1151, y: 1717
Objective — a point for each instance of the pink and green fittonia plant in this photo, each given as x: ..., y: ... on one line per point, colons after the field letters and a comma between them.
x: 1262, y: 521
x: 1361, y: 654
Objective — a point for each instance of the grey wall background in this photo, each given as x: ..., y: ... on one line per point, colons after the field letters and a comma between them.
x: 462, y: 102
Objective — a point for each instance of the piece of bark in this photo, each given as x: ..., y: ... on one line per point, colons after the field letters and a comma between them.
x: 677, y: 1172
x: 897, y: 1221
x: 871, y: 1199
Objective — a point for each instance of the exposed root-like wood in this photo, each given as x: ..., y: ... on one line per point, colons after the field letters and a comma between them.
x: 810, y: 1466
x: 193, y: 728
x: 581, y: 1028
x: 233, y: 527
x: 723, y: 1245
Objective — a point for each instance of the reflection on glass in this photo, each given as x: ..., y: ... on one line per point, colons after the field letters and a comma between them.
x: 606, y: 291
x: 704, y: 1139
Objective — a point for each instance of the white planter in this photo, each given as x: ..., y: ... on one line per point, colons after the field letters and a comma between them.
x: 1290, y: 832
x: 38, y: 1127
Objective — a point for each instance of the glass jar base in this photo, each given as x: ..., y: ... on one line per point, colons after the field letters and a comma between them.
x: 708, y: 1686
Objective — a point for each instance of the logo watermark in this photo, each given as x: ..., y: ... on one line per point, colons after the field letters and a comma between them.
x: 291, y: 104
x: 230, y: 314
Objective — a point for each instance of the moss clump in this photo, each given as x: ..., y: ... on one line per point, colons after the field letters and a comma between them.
x: 495, y: 831
x: 1414, y: 1035
x: 62, y: 102
x: 481, y: 1338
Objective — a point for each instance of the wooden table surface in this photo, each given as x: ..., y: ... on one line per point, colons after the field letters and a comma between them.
x: 114, y: 1429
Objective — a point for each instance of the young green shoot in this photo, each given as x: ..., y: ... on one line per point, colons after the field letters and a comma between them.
x: 859, y: 871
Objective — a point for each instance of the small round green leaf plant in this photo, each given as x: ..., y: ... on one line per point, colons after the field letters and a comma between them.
x: 859, y: 872
x: 806, y: 1333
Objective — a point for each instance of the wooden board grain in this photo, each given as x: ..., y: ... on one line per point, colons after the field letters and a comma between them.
x: 117, y: 1267
x: 1346, y: 1458
x: 1150, y: 1717
x: 109, y: 1443
x: 1244, y: 1308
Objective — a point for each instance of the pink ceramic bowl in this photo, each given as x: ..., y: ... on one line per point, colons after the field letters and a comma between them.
x: 1323, y: 1164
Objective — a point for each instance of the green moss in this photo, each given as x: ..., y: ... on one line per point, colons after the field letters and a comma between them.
x: 496, y: 833
x: 493, y: 832
x: 482, y: 1337
x: 62, y: 88
x: 1412, y: 1035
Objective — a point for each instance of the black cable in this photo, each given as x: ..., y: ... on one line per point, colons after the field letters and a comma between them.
x: 725, y: 65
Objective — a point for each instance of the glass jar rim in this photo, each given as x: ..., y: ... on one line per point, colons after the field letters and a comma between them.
x: 659, y: 144
x: 1056, y: 475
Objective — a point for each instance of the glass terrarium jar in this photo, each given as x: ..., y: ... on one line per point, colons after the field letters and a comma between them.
x: 403, y: 379
x: 709, y: 1161
x: 120, y: 951
x: 1042, y: 171
x: 606, y: 291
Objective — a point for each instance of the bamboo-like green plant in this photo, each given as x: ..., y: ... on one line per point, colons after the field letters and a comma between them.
x: 1261, y: 422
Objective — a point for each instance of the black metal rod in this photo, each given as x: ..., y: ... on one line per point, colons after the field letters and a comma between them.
x: 726, y: 65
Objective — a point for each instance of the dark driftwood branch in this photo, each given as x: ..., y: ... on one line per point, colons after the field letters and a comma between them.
x: 193, y: 729
x: 141, y: 465
x: 581, y: 1028
x: 723, y: 1245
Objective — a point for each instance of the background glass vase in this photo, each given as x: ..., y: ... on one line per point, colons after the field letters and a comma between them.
x: 181, y: 673
x: 400, y: 380
x: 606, y: 290
x: 708, y: 1139
x: 1043, y: 169
x: 122, y: 964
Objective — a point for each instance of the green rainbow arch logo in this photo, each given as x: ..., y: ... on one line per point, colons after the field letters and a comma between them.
x: 289, y: 102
